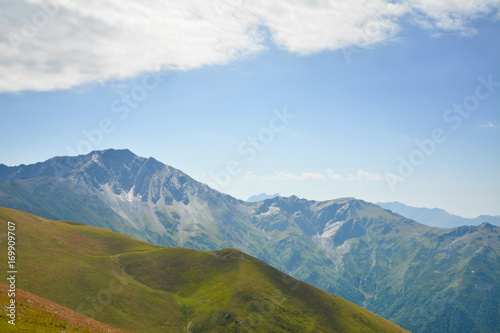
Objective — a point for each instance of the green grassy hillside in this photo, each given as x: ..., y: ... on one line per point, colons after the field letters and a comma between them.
x: 36, y: 314
x: 138, y: 287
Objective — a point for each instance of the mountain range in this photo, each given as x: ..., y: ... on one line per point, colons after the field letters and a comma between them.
x: 262, y: 197
x: 436, y: 217
x: 135, y: 286
x: 422, y: 278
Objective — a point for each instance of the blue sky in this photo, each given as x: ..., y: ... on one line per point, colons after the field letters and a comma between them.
x: 279, y: 96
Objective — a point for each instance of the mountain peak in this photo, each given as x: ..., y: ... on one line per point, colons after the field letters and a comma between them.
x: 261, y: 197
x: 348, y: 200
x: 486, y: 225
x: 117, y: 155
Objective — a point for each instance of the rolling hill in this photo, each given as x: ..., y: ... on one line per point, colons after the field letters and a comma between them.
x: 139, y: 287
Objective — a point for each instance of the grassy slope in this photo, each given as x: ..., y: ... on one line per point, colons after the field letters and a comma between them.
x: 136, y: 286
x: 36, y: 314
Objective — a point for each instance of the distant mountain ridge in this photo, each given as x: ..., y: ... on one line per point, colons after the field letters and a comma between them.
x: 436, y: 217
x: 409, y: 273
x: 262, y: 196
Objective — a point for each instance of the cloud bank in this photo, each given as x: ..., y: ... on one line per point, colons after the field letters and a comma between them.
x: 60, y: 44
x: 361, y: 175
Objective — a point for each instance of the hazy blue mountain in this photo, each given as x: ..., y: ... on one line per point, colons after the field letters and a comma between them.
x: 422, y: 278
x: 262, y: 196
x: 436, y: 217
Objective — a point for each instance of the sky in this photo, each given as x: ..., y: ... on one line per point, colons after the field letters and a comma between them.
x: 378, y: 100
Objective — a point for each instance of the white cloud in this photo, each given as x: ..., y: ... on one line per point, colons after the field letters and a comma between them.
x: 98, y: 40
x: 313, y: 176
x: 281, y: 176
x: 75, y: 42
x: 488, y: 125
x: 333, y: 176
x: 293, y: 176
x: 249, y: 176
x: 452, y: 15
x: 365, y: 175
x: 305, y: 27
x: 361, y: 175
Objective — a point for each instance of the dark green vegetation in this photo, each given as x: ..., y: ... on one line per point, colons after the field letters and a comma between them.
x: 424, y: 279
x: 36, y: 314
x: 437, y: 280
x: 139, y: 287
